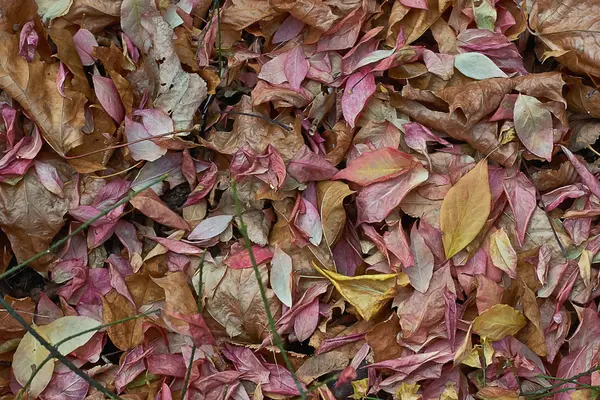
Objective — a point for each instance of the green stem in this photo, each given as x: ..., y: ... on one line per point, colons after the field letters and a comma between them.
x: 83, y: 226
x: 39, y: 367
x: 276, y: 338
x: 54, y: 351
x: 567, y: 380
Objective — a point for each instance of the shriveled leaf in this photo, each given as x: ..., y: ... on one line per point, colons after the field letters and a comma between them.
x: 368, y: 293
x: 421, y: 272
x: 465, y: 209
x: 498, y: 322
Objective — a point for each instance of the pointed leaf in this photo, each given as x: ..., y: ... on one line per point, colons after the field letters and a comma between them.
x: 377, y: 166
x: 465, y: 209
x: 502, y: 254
x: 533, y: 124
x: 498, y: 322
x: 477, y: 66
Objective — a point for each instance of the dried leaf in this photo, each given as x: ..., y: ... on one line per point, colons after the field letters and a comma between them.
x: 533, y: 124
x: 499, y: 321
x: 502, y: 254
x: 368, y: 293
x: 465, y: 209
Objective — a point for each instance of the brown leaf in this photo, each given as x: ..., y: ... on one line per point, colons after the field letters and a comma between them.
x: 60, y: 119
x: 548, y: 85
x: 178, y: 296
x: 30, y: 216
x: 152, y: 206
x: 338, y: 139
x: 331, y: 195
x: 243, y: 13
x: 257, y: 133
x: 311, y: 12
x: 413, y: 21
x: 69, y: 56
x: 9, y: 327
x: 237, y: 306
x: 94, y: 15
x: 382, y: 339
x: 125, y: 335
x: 569, y: 33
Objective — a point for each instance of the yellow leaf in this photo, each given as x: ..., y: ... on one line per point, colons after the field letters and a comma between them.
x: 368, y: 293
x: 449, y: 393
x: 331, y: 196
x: 502, y: 253
x: 499, y: 321
x: 465, y: 349
x: 408, y: 391
x: 31, y: 353
x: 361, y: 387
x: 585, y: 267
x: 474, y: 358
x: 465, y: 209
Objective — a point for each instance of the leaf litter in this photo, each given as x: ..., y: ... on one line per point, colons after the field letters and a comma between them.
x: 278, y: 199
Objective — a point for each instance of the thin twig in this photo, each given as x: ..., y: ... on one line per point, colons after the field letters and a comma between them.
x: 276, y: 338
x: 569, y: 380
x: 83, y: 226
x: 102, y: 326
x: 54, y: 351
x: 188, y: 373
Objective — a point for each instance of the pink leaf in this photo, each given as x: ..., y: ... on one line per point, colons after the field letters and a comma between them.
x: 166, y: 364
x: 49, y: 177
x: 61, y: 77
x: 65, y: 386
x: 586, y: 176
x: 155, y: 121
x: 377, y: 166
x: 421, y: 272
x: 521, y: 196
x: 375, y: 202
x: 152, y: 206
x: 309, y: 166
x: 309, y: 222
x: 359, y: 88
x: 296, y: 67
x: 273, y: 71
x: 85, y: 42
x: 439, y: 64
x: 396, y: 243
x: 343, y: 34
x: 28, y: 41
x: 109, y: 98
x: 306, y: 321
x: 289, y: 29
x: 241, y: 258
x: 145, y: 150
x: 420, y: 4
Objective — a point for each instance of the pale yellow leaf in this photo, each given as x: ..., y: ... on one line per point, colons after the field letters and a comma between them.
x: 331, y: 196
x: 367, y: 293
x: 31, y: 353
x: 502, y: 253
x: 585, y: 267
x: 465, y: 209
x: 499, y: 321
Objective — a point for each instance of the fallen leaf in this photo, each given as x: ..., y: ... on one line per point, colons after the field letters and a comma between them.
x: 281, y: 276
x: 31, y: 353
x: 368, y: 293
x: 499, y: 321
x: 331, y: 197
x: 465, y: 209
x: 502, y: 253
x: 533, y: 124
x: 477, y: 66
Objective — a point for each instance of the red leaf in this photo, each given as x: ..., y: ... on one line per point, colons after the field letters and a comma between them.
x: 359, y: 88
x: 296, y: 67
x: 152, y: 206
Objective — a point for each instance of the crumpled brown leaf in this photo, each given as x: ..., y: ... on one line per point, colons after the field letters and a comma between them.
x: 237, y: 306
x: 60, y: 119
x: 569, y: 33
x: 311, y: 12
x: 257, y: 133
x: 30, y: 215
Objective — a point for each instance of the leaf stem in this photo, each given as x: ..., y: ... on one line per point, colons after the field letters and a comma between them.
x: 276, y: 338
x: 54, y: 351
